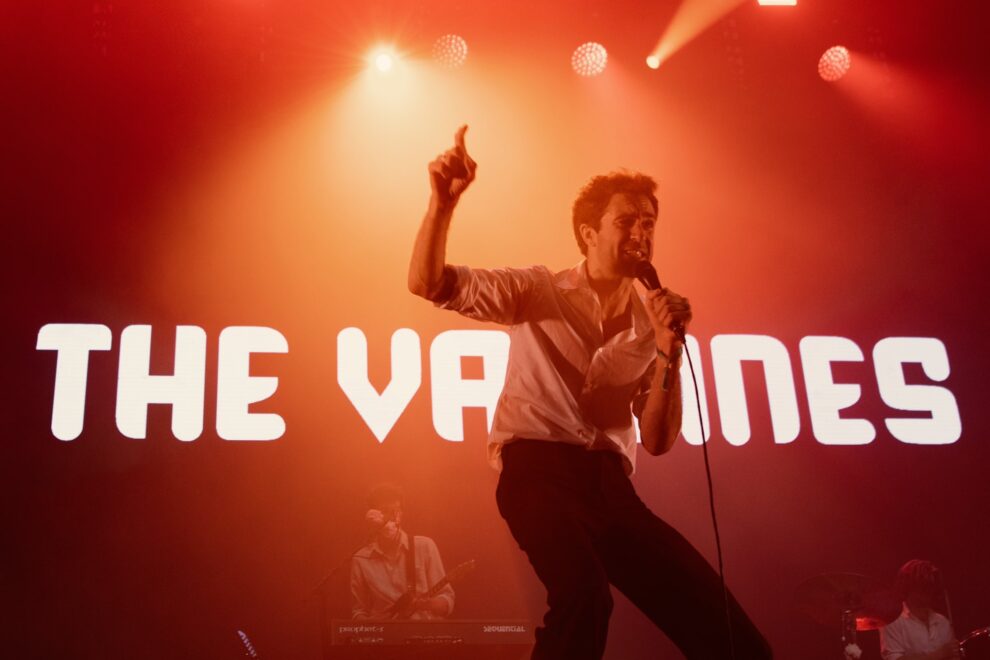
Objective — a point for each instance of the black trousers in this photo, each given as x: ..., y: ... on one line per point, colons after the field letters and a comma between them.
x: 575, y: 514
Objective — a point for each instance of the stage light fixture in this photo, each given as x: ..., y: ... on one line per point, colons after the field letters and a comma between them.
x: 777, y: 3
x: 384, y: 62
x: 589, y: 59
x: 383, y: 59
x: 834, y: 63
x: 450, y: 51
x: 653, y: 61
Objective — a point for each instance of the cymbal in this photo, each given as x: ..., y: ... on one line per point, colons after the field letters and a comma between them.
x: 826, y: 597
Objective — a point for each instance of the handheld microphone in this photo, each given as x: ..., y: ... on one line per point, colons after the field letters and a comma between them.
x: 647, y: 274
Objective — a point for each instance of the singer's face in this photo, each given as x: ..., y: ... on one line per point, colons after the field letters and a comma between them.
x: 625, y: 236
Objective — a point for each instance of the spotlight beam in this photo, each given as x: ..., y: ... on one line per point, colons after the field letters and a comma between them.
x: 692, y: 18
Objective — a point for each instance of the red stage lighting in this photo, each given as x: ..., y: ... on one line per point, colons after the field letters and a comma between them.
x: 589, y: 59
x: 450, y: 51
x: 778, y: 3
x: 834, y: 63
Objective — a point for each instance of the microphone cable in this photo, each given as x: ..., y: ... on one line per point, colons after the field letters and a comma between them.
x: 711, y: 505
x: 647, y: 275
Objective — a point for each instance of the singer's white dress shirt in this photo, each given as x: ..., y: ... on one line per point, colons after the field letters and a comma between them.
x: 563, y: 382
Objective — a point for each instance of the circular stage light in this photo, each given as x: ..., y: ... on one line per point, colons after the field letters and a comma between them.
x: 383, y: 62
x: 383, y: 59
x: 834, y: 63
x: 589, y: 59
x: 653, y: 61
x: 450, y: 51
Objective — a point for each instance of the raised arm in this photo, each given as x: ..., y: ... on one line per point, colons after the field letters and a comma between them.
x: 450, y: 174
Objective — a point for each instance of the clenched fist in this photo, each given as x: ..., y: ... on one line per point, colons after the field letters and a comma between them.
x: 669, y: 314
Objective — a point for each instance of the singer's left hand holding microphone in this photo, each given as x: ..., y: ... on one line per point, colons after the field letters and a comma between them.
x: 667, y: 310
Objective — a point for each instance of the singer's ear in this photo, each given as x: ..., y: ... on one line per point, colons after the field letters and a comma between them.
x: 588, y: 234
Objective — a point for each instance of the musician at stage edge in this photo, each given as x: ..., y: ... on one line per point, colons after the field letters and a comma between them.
x: 920, y: 632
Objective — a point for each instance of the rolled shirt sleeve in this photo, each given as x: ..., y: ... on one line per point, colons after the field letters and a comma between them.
x: 499, y: 295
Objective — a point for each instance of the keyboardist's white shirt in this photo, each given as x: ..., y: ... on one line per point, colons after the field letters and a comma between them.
x: 378, y: 581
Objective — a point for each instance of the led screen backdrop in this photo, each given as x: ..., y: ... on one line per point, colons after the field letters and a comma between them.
x: 211, y: 354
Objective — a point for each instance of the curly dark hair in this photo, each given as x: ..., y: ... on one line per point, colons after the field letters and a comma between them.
x: 595, y: 195
x: 384, y: 494
x: 919, y: 577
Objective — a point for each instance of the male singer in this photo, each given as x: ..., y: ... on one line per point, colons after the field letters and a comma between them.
x: 586, y: 351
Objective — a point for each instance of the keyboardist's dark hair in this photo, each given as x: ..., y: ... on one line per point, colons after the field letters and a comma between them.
x: 383, y: 494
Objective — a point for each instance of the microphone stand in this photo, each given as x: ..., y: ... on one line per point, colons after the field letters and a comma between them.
x: 322, y: 591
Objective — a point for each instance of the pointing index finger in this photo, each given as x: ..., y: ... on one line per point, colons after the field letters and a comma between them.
x: 459, y: 139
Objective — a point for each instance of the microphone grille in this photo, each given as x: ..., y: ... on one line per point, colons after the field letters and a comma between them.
x: 647, y: 274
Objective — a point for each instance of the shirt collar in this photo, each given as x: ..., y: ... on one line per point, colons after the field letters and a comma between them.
x: 403, y: 544
x: 906, y: 613
x: 573, y: 278
x: 577, y: 278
